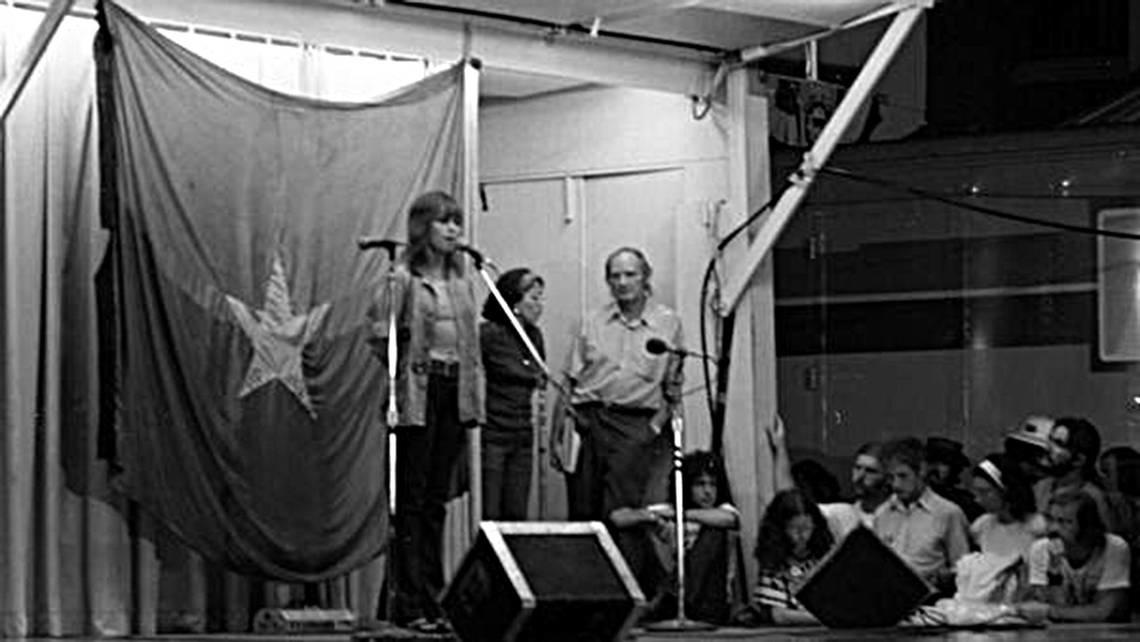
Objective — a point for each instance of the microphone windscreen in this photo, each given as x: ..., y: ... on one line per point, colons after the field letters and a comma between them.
x: 656, y: 346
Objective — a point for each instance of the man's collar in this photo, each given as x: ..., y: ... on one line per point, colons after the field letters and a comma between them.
x: 922, y: 502
x: 613, y: 312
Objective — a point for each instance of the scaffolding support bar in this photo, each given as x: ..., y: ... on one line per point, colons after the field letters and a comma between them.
x: 773, y: 224
x: 11, y: 87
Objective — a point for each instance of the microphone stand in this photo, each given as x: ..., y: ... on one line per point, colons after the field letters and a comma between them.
x: 480, y: 266
x: 392, y: 417
x: 677, y: 423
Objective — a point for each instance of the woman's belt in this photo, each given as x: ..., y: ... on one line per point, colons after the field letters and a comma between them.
x: 632, y: 411
x: 448, y: 369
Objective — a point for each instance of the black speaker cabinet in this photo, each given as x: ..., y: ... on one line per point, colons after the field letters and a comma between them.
x: 542, y: 581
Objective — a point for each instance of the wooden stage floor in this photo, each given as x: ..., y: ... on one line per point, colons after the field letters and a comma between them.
x: 1052, y: 632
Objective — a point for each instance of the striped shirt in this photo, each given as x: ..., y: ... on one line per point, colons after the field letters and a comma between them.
x: 778, y: 588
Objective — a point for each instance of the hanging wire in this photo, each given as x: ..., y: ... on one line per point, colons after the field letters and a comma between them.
x: 710, y: 278
x: 973, y: 207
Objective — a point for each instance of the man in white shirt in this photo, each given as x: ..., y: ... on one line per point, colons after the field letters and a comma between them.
x: 928, y: 531
x: 1080, y: 572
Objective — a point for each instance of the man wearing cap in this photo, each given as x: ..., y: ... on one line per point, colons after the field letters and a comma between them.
x: 1074, y: 449
x: 945, y: 462
x: 1028, y: 446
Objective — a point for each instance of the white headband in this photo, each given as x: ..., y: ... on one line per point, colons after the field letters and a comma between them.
x: 992, y: 472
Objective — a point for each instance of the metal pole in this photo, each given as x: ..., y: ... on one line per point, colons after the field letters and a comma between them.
x: 876, y: 64
x: 393, y: 416
x: 12, y: 86
x: 470, y: 159
x: 680, y: 623
x: 679, y: 509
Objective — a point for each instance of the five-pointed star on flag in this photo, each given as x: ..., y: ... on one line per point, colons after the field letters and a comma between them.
x: 278, y: 336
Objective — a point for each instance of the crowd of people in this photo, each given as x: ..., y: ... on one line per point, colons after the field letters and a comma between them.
x: 1047, y: 527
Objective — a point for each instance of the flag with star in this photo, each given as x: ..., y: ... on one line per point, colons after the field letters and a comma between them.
x: 246, y: 405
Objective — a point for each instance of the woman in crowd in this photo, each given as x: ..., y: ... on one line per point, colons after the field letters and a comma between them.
x: 512, y: 377
x: 1010, y: 522
x: 793, y: 537
x: 1002, y: 534
x: 439, y: 394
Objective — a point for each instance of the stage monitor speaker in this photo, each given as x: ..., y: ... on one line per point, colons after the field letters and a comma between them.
x: 556, y: 581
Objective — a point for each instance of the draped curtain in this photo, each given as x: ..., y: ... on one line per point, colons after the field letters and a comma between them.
x: 76, y: 556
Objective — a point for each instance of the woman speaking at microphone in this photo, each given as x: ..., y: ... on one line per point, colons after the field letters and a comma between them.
x: 439, y: 394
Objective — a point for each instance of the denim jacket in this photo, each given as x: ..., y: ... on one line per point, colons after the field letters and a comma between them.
x: 414, y: 321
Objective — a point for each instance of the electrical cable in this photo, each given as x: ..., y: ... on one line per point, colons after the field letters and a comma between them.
x: 711, y: 276
x: 980, y: 209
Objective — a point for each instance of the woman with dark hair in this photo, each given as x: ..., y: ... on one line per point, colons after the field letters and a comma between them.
x: 512, y: 377
x: 793, y: 538
x: 1003, y: 533
x: 439, y: 393
x: 1011, y: 521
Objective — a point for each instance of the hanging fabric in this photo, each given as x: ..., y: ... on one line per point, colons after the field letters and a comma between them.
x: 246, y: 411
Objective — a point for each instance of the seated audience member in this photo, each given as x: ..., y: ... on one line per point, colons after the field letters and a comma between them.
x: 793, y: 538
x: 870, y: 487
x: 1074, y: 449
x: 710, y: 517
x: 945, y: 463
x: 1010, y: 523
x: 1080, y: 572
x: 811, y: 478
x: 815, y: 481
x: 1002, y: 534
x: 1028, y: 446
x: 869, y: 482
x: 1120, y: 470
x: 928, y: 531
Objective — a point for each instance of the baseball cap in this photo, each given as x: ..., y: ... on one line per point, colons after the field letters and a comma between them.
x: 1034, y: 431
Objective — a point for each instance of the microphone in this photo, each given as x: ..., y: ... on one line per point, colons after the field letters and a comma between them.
x: 373, y: 242
x: 656, y: 345
x: 476, y: 255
